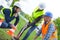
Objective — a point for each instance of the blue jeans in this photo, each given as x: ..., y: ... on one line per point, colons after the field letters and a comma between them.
x: 5, y: 25
x: 29, y: 32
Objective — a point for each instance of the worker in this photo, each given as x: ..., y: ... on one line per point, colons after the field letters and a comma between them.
x: 9, y: 14
x: 33, y: 21
x: 48, y: 29
x: 37, y: 13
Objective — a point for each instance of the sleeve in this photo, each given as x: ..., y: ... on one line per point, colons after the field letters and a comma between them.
x: 7, y: 15
x: 39, y: 32
x: 17, y: 20
x: 50, y: 31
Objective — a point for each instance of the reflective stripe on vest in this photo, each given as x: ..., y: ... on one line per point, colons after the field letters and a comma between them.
x: 36, y: 14
x: 1, y: 16
x: 7, y: 8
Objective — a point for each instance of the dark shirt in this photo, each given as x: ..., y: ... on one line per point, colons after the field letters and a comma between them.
x: 8, y: 19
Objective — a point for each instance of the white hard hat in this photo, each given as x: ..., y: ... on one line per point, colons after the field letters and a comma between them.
x: 41, y: 6
x: 17, y: 4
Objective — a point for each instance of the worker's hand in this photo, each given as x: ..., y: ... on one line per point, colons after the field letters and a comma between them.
x: 13, y: 27
x: 16, y: 14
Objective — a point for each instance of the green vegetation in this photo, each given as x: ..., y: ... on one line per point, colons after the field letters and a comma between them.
x: 4, y: 36
x: 57, y: 23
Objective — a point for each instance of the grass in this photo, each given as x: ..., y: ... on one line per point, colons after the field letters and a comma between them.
x: 20, y: 25
x: 4, y: 36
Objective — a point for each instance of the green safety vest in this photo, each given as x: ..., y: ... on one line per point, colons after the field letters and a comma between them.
x: 2, y: 14
x: 36, y: 14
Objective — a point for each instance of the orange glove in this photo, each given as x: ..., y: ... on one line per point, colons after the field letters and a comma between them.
x: 11, y: 31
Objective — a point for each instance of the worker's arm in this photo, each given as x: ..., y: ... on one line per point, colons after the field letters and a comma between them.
x: 38, y: 34
x: 50, y: 31
x: 7, y: 15
x: 17, y: 20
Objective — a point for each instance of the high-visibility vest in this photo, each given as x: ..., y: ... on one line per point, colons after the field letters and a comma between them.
x: 2, y: 14
x: 35, y: 14
x: 45, y: 30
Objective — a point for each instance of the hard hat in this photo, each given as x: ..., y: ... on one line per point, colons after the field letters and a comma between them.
x: 41, y: 6
x: 49, y: 14
x: 17, y: 4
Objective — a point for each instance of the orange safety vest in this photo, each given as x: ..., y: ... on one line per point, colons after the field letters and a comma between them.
x: 45, y: 30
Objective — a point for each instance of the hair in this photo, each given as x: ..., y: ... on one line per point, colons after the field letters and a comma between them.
x: 16, y: 7
x: 13, y: 10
